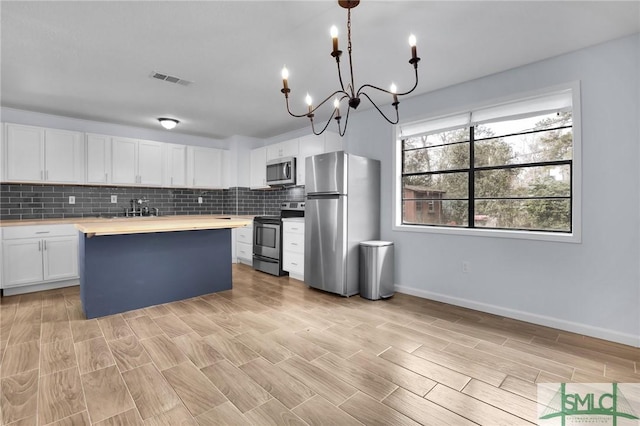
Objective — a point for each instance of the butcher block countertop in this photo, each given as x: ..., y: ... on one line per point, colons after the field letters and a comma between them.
x: 141, y: 225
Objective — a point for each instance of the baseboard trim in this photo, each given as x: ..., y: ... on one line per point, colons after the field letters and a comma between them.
x: 12, y: 291
x: 588, y: 330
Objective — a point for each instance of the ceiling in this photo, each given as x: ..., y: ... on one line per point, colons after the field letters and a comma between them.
x: 93, y: 60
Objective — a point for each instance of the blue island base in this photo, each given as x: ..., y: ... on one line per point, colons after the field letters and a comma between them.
x: 119, y: 273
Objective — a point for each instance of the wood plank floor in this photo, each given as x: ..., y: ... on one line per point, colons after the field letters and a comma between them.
x: 273, y: 351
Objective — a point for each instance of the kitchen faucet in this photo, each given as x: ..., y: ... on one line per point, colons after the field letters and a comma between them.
x: 140, y: 207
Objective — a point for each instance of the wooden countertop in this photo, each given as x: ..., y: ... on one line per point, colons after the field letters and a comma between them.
x: 82, y: 220
x: 140, y: 225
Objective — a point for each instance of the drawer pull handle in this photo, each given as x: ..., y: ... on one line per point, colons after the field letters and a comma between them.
x: 294, y: 264
x: 43, y: 232
x: 294, y: 244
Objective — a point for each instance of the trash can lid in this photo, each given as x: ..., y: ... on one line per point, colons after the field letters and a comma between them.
x: 376, y: 243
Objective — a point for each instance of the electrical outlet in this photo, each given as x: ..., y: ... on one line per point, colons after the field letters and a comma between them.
x: 72, y: 199
x: 114, y: 199
x: 200, y: 200
x: 465, y: 267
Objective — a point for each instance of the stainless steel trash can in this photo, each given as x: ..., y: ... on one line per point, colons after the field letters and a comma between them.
x: 376, y: 269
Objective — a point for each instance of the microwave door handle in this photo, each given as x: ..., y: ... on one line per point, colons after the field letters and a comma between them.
x: 286, y: 170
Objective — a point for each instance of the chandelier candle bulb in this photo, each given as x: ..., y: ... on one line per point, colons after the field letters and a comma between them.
x: 334, y: 37
x: 393, y: 89
x: 285, y: 77
x: 336, y: 105
x: 412, y: 43
x: 309, y: 101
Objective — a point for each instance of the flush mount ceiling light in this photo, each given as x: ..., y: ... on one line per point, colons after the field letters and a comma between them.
x: 349, y: 94
x: 168, y: 123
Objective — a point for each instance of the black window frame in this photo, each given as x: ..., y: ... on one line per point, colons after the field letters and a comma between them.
x: 471, y: 173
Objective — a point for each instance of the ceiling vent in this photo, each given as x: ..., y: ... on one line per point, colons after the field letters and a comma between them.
x: 170, y: 78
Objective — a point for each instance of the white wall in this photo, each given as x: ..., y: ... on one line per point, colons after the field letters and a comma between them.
x: 592, y: 287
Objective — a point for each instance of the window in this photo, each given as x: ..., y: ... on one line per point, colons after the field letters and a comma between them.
x: 506, y: 167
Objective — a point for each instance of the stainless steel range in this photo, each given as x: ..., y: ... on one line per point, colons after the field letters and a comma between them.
x: 267, y: 238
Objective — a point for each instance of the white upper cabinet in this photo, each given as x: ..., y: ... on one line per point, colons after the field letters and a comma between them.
x: 124, y: 166
x: 136, y: 162
x: 332, y: 142
x: 64, y: 156
x: 98, y: 151
x: 283, y: 149
x: 313, y: 145
x: 176, y: 170
x: 308, y: 146
x: 36, y: 154
x: 204, y: 167
x: 150, y: 163
x: 226, y: 168
x: 258, y: 168
x: 25, y: 153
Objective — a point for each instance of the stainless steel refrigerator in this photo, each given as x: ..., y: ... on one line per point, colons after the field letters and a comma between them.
x: 342, y: 210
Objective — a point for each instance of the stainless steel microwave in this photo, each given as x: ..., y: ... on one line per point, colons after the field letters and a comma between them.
x: 281, y: 171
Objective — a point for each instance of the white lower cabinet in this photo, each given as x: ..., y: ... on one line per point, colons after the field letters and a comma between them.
x: 39, y: 254
x: 244, y: 244
x: 293, y: 247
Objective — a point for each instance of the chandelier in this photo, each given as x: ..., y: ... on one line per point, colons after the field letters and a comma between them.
x: 349, y: 94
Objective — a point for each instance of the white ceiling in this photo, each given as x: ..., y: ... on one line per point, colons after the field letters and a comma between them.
x: 92, y: 60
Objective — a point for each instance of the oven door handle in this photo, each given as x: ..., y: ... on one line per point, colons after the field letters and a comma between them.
x: 265, y: 259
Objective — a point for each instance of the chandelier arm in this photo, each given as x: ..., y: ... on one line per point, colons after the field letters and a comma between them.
x: 364, y: 86
x: 340, y: 74
x: 346, y: 123
x: 360, y: 90
x: 326, y: 100
x: 313, y: 129
x: 292, y: 114
x: 414, y: 85
x: 382, y: 113
x: 306, y: 114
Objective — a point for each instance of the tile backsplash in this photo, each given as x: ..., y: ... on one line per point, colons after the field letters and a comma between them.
x: 37, y: 201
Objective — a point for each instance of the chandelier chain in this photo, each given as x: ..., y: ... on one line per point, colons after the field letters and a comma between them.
x: 353, y: 84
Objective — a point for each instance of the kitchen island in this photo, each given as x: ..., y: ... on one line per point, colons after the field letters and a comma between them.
x: 132, y: 263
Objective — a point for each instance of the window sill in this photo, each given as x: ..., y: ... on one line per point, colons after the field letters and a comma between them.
x: 493, y: 233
